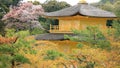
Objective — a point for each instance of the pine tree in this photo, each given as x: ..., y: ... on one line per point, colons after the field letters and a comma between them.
x: 91, y: 35
x: 12, y: 54
x: 116, y: 24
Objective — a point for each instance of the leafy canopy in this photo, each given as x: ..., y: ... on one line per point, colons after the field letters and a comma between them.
x: 24, y: 16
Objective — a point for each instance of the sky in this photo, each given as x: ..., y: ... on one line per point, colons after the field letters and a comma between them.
x: 72, y: 2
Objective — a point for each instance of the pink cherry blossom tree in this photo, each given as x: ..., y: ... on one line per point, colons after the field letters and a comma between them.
x: 23, y: 16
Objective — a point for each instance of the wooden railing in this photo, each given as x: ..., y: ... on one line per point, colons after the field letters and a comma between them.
x: 54, y: 27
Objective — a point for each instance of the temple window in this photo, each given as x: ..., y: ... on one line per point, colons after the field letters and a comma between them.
x: 109, y: 23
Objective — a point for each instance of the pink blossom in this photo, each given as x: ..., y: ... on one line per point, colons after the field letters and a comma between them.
x: 24, y: 12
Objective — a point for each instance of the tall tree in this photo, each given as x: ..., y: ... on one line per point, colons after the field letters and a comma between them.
x: 116, y: 8
x: 4, y: 8
x: 53, y: 5
x: 107, y: 6
x: 13, y: 53
x: 5, y: 4
x: 23, y: 16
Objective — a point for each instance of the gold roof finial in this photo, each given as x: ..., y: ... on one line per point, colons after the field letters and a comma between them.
x: 83, y: 1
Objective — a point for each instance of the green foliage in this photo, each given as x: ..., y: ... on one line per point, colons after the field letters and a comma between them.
x: 24, y: 45
x: 22, y: 34
x: 91, y: 35
x: 37, y: 31
x: 9, y: 32
x: 15, y: 52
x: 84, y: 62
x: 6, y: 49
x: 105, y: 1
x: 5, y: 61
x: 116, y: 8
x: 107, y: 6
x: 54, y: 5
x: 110, y: 32
x: 11, y: 53
x: 21, y: 59
x: 103, y: 44
x: 36, y: 2
x: 33, y: 51
x: 116, y: 26
x: 52, y: 54
x: 2, y: 26
x: 116, y: 23
x: 46, y: 22
x: 113, y: 5
x: 79, y: 45
x: 5, y: 4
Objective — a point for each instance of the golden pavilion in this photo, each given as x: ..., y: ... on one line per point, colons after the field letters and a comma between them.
x: 79, y: 17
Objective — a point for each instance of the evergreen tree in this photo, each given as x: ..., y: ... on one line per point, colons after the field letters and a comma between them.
x: 5, y: 4
x: 12, y: 54
x: 116, y: 23
x: 91, y: 35
x: 116, y: 8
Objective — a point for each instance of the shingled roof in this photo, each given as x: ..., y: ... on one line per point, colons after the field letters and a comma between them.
x: 81, y: 9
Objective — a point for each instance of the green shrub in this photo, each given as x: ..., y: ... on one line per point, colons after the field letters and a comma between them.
x: 37, y: 31
x: 5, y: 61
x: 52, y: 54
x: 79, y: 45
x: 10, y: 32
x: 22, y: 34
x: 91, y: 35
x: 110, y: 32
x: 103, y: 44
x: 116, y: 26
x: 21, y: 58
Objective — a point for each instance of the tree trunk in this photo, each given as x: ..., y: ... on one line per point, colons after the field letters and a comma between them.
x: 13, y: 64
